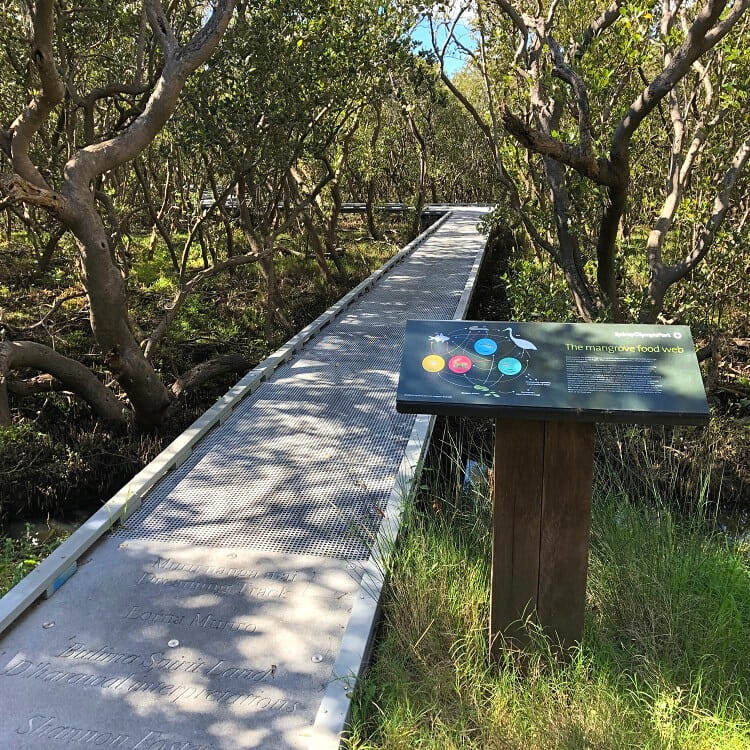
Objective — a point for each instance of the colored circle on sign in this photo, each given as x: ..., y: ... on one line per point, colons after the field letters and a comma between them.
x: 509, y: 366
x: 485, y: 347
x: 459, y: 364
x: 433, y: 363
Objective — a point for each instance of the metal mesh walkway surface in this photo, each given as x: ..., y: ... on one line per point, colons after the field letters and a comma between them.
x: 213, y: 617
x: 305, y: 463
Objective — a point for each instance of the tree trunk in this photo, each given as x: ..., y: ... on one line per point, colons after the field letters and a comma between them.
x: 45, y: 259
x: 372, y: 226
x: 155, y: 216
x: 267, y: 268
x: 333, y: 229
x: 106, y: 292
x: 317, y: 246
x: 569, y: 252
x: 274, y: 313
x: 221, y: 205
x: 74, y: 203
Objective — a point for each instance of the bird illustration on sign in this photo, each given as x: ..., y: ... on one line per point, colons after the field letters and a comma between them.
x: 520, y: 343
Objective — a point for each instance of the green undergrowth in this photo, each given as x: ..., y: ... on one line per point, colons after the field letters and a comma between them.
x: 664, y: 662
x: 20, y: 555
x: 57, y: 459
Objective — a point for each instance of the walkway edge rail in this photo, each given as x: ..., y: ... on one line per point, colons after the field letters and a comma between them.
x: 52, y: 572
x: 356, y: 644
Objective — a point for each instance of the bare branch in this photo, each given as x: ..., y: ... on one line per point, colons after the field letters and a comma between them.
x: 468, y: 106
x: 303, y: 204
x: 567, y: 74
x: 56, y: 305
x: 449, y: 37
x: 170, y: 313
x: 705, y: 32
x: 721, y: 204
x: 680, y: 170
x: 36, y: 112
x: 669, y: 11
x: 74, y: 376
x: 551, y: 13
x: 516, y: 18
x: 662, y: 277
x: 603, y: 22
x: 598, y: 170
x: 160, y: 26
x: 179, y: 63
x: 716, y: 34
x: 18, y: 190
x: 226, y: 364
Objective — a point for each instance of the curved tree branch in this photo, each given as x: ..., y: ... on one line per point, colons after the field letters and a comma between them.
x: 191, y: 286
x: 74, y: 376
x: 598, y: 170
x: 32, y: 118
x: 565, y: 73
x: 19, y: 190
x: 599, y: 24
x: 705, y: 32
x: 719, y: 210
x: 662, y: 276
x: 160, y: 26
x: 226, y: 364
x: 179, y: 63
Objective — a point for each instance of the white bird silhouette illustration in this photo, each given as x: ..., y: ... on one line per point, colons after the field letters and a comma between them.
x: 520, y: 343
x: 439, y: 338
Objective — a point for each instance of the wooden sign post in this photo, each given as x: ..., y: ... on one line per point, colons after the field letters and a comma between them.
x: 546, y: 384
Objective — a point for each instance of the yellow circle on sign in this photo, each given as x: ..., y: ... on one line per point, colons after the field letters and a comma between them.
x: 433, y: 363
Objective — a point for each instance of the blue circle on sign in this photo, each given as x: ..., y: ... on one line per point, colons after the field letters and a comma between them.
x: 509, y: 366
x: 485, y: 346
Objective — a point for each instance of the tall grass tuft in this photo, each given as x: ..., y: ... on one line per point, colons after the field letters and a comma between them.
x: 665, y: 658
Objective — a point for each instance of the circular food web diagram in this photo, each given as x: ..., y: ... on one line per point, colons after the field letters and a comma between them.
x: 473, y: 357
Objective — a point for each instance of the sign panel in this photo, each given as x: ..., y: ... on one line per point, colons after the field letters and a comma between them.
x: 567, y: 371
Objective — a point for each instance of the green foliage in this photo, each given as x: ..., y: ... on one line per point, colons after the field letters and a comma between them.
x: 19, y: 556
x: 57, y: 459
x: 537, y: 292
x: 707, y: 110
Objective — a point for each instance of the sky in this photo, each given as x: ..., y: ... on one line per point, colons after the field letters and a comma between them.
x: 454, y: 58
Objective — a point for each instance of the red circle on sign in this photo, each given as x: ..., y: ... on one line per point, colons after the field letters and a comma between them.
x: 459, y: 364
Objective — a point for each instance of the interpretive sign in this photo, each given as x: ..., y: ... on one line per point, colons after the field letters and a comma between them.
x: 546, y: 384
x: 563, y: 371
x: 160, y: 646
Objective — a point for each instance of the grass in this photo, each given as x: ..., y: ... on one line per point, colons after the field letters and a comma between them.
x: 664, y: 662
x: 19, y: 556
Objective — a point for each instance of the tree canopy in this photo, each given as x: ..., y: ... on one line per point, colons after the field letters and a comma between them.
x: 614, y: 139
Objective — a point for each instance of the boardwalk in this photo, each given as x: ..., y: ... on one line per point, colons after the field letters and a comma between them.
x: 233, y: 607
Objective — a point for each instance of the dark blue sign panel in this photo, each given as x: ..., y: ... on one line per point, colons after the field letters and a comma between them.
x: 569, y: 371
